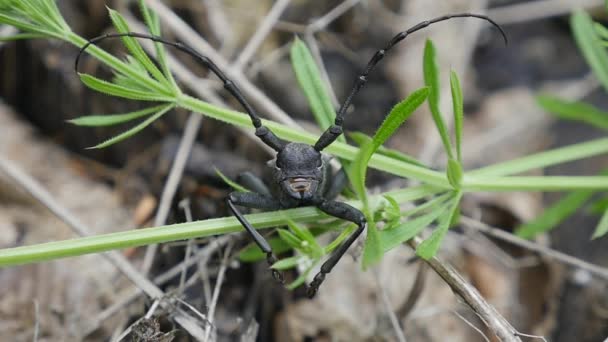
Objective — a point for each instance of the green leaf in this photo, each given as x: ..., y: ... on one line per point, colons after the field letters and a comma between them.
x: 134, y: 130
x: 555, y: 214
x: 337, y: 241
x: 121, y: 91
x: 395, y: 236
x: 373, y: 249
x: 153, y: 23
x: 253, y: 253
x: 311, y: 82
x: 236, y: 186
x: 428, y: 205
x: 396, y: 117
x: 287, y: 263
x: 458, y: 103
x: 429, y: 247
x: 135, y: 48
x: 602, y: 227
x: 300, y: 280
x: 576, y: 111
x: 454, y: 173
x: 20, y: 36
x: 292, y: 240
x: 431, y: 79
x: 312, y: 246
x: 361, y: 138
x: 113, y: 119
x: 588, y: 42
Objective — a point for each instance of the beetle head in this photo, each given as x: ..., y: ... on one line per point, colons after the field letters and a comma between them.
x: 298, y: 170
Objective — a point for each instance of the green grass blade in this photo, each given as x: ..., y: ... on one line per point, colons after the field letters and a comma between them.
x: 373, y: 249
x: 361, y: 138
x: 306, y: 237
x: 153, y: 24
x: 555, y: 214
x: 113, y: 119
x: 429, y: 247
x: 588, y: 42
x: 135, y: 48
x: 253, y: 253
x: 395, y: 118
x: 290, y: 239
x: 395, y: 236
x: 134, y: 130
x: 576, y: 111
x: 602, y: 227
x: 287, y: 263
x: 311, y: 82
x: 454, y: 173
x: 109, y: 88
x: 431, y: 79
x: 236, y: 186
x: 458, y: 103
x: 543, y: 159
x: 20, y: 36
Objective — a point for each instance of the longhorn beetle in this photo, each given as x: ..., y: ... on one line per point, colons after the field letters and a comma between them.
x: 301, y: 173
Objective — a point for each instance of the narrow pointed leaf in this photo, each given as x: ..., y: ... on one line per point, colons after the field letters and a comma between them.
x: 454, y: 173
x: 431, y: 79
x: 587, y: 41
x: 305, y: 235
x: 395, y: 236
x: 311, y: 82
x: 458, y: 103
x: 429, y: 247
x: 299, y: 281
x: 20, y: 36
x: 555, y: 214
x: 120, y: 91
x: 134, y: 130
x: 373, y: 249
x: 576, y: 111
x: 290, y: 238
x: 253, y: 253
x: 236, y: 186
x: 287, y: 263
x: 395, y: 118
x: 602, y: 227
x: 361, y: 138
x: 153, y: 23
x: 113, y: 119
x: 135, y: 48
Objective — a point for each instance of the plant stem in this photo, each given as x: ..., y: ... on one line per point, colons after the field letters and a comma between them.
x: 338, y: 149
x: 544, y: 159
x: 547, y: 183
x: 181, y: 231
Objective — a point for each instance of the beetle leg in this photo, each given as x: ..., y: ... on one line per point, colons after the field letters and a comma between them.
x: 258, y: 201
x: 346, y: 212
x: 253, y: 183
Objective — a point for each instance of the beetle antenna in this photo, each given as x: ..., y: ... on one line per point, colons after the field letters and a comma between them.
x: 334, y: 131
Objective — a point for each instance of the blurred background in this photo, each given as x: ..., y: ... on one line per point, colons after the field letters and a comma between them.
x: 122, y: 187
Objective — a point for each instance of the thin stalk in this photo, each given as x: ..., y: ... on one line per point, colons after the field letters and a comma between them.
x: 181, y: 231
x: 544, y: 159
x: 546, y: 183
x: 337, y: 149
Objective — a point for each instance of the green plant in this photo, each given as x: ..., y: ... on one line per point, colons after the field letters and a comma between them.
x: 138, y: 78
x: 592, y: 39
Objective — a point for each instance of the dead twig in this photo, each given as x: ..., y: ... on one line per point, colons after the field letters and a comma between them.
x: 488, y: 314
x: 599, y: 271
x: 118, y: 260
x: 216, y: 292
